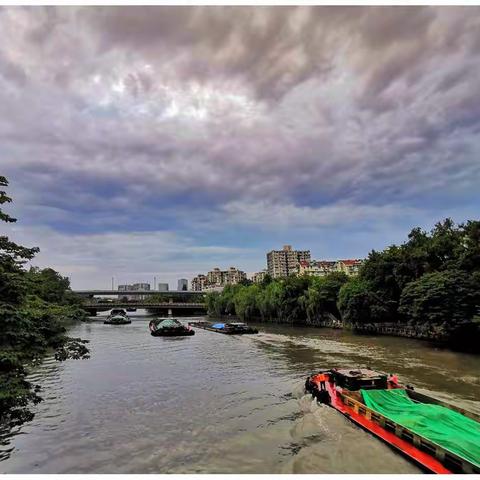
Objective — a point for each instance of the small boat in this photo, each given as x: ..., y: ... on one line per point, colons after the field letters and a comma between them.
x: 439, y: 437
x: 231, y: 328
x: 169, y: 327
x: 116, y: 317
x: 131, y: 309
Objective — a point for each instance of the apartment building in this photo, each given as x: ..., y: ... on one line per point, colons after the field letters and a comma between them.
x: 285, y: 262
x: 259, y: 276
x: 350, y: 267
x: 217, y: 279
x: 317, y: 268
x: 320, y: 268
x: 198, y: 283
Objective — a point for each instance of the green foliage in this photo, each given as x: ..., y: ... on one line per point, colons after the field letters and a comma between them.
x: 434, y: 277
x: 321, y: 296
x: 449, y: 297
x: 292, y: 299
x: 359, y: 303
x: 428, y: 279
x: 245, y: 300
x: 219, y: 304
x: 36, y: 306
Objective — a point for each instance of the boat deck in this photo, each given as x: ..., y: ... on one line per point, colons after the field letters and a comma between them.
x: 225, y: 331
x: 353, y: 410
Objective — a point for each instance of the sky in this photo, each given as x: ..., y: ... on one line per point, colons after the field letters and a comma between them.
x: 165, y: 141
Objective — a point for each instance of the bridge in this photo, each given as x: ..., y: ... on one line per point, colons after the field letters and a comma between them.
x: 169, y: 308
x: 125, y: 293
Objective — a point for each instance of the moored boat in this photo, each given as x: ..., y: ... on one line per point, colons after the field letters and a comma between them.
x: 230, y: 328
x: 438, y: 436
x: 169, y: 327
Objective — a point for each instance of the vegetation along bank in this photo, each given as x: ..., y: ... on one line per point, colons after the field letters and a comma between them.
x: 36, y: 307
x: 428, y: 287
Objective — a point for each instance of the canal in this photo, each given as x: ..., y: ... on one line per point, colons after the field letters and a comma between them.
x: 213, y: 403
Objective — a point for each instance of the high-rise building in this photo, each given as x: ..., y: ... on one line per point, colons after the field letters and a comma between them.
x: 182, y: 285
x: 259, y: 276
x: 140, y: 287
x: 282, y: 263
x: 135, y: 287
x: 232, y: 276
x: 163, y: 287
x: 124, y: 288
x: 216, y: 279
x: 198, y: 283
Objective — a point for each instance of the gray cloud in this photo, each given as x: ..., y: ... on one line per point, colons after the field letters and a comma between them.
x: 114, y: 112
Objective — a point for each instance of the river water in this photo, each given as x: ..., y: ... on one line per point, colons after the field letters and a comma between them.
x: 214, y: 403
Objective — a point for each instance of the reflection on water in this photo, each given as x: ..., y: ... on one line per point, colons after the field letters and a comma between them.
x: 216, y: 403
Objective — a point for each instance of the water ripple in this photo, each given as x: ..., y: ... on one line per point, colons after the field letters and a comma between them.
x: 217, y: 404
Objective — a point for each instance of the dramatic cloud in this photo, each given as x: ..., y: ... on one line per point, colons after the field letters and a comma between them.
x: 237, y: 127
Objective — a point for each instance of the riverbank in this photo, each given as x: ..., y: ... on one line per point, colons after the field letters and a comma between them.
x: 466, y: 337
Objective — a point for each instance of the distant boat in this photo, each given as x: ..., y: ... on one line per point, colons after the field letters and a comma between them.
x: 117, y: 316
x: 230, y: 328
x: 169, y: 327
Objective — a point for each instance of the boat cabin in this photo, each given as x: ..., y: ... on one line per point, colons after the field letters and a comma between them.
x: 360, y: 378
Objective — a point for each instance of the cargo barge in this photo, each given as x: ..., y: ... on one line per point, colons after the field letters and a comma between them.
x: 169, y: 327
x: 437, y: 436
x: 231, y: 328
x: 117, y: 316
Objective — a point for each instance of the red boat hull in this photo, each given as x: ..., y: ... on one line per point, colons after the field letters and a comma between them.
x: 423, y: 459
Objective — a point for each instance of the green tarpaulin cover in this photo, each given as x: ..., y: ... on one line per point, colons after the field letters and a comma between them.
x: 169, y: 323
x: 442, y: 426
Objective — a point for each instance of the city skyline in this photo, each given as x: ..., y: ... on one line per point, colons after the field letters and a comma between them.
x: 165, y: 141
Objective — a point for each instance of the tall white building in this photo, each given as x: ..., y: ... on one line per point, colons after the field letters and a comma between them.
x: 182, y: 285
x: 285, y: 262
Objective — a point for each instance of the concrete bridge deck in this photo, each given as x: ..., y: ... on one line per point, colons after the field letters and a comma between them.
x: 93, y: 307
x: 120, y: 293
x: 110, y: 305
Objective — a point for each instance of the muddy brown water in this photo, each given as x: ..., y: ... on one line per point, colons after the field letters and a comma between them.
x: 214, y: 403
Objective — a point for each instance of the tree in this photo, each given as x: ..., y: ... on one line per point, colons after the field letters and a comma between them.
x: 449, y: 297
x: 359, y: 303
x: 321, y: 296
x: 12, y: 257
x: 34, y: 309
x: 48, y: 284
x: 246, y: 302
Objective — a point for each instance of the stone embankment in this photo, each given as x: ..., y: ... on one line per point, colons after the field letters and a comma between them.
x: 423, y: 332
x: 463, y: 337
